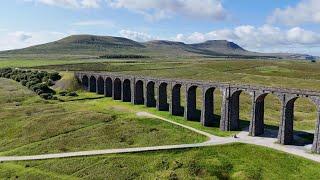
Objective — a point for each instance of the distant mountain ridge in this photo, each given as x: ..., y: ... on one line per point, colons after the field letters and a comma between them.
x: 108, y: 45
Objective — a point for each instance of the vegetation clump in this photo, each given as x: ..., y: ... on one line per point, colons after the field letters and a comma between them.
x: 37, y: 81
x: 66, y: 93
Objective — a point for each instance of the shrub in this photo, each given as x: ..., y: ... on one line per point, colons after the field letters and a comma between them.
x: 37, y: 81
x: 72, y: 94
x: 63, y: 93
x: 54, y: 76
x: 46, y: 96
x: 50, y: 82
x: 24, y: 82
x: 30, y: 83
x: 39, y: 91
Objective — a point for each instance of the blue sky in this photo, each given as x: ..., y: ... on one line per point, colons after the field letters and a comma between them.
x: 258, y: 25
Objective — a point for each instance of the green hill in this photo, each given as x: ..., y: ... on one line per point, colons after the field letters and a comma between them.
x: 90, y: 45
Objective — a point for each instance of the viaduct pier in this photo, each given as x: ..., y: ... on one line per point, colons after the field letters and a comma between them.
x: 153, y: 92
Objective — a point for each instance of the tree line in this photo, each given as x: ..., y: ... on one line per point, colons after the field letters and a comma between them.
x: 37, y: 81
x: 123, y: 56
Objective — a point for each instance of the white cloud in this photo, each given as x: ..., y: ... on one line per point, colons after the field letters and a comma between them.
x: 21, y: 39
x: 69, y: 3
x: 255, y: 37
x: 306, y: 11
x: 262, y: 39
x: 105, y: 23
x: 157, y: 10
x: 20, y: 36
x: 137, y: 36
x: 90, y: 3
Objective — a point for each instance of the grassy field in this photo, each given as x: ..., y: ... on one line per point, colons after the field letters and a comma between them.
x: 290, y: 74
x: 30, y: 125
x: 25, y: 63
x: 235, y: 161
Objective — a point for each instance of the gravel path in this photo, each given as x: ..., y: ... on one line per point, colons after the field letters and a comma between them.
x: 303, y: 151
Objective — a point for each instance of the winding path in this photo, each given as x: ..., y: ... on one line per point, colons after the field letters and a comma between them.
x: 243, y: 137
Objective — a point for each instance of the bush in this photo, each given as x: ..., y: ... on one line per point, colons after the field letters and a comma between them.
x: 54, y: 76
x: 24, y: 82
x: 39, y: 91
x: 63, y: 93
x: 29, y: 84
x: 46, y: 96
x: 50, y: 82
x: 72, y: 94
x: 37, y: 81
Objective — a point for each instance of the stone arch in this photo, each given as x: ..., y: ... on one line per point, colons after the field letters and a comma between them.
x: 117, y: 89
x: 93, y: 84
x: 126, y: 91
x: 235, y: 110
x: 207, y: 113
x: 85, y: 82
x: 108, y: 87
x: 285, y: 134
x: 176, y: 108
x: 151, y: 101
x: 191, y: 111
x: 100, y: 84
x: 139, y: 92
x: 230, y: 109
x: 162, y: 103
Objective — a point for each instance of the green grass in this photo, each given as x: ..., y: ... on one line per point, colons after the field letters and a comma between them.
x: 25, y: 63
x: 234, y: 161
x: 30, y: 125
x: 290, y: 74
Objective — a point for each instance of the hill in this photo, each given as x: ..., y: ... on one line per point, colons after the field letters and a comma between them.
x: 90, y: 45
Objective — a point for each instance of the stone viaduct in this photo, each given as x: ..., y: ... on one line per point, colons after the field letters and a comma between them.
x: 152, y: 92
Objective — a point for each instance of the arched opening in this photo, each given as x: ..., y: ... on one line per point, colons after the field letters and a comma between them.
x: 85, y: 82
x: 217, y: 101
x: 176, y: 108
x: 163, y: 97
x: 256, y: 127
x: 192, y: 113
x: 138, y: 93
x: 117, y: 89
x: 100, y: 83
x: 285, y: 135
x: 151, y: 101
x: 126, y: 90
x: 108, y: 87
x: 266, y: 115
x: 230, y: 110
x: 235, y: 110
x: 298, y: 122
x: 93, y: 84
x: 207, y: 116
x: 305, y: 118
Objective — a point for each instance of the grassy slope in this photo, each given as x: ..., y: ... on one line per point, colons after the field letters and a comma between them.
x: 30, y: 125
x: 236, y: 161
x: 18, y: 62
x: 290, y: 74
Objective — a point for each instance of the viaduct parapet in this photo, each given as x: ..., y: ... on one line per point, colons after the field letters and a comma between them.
x: 153, y: 92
